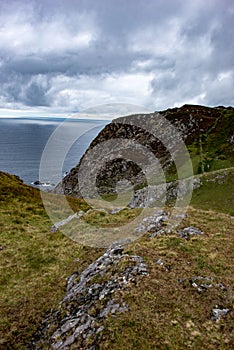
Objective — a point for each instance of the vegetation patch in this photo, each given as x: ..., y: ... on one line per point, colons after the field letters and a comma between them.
x: 34, y: 262
x: 166, y: 310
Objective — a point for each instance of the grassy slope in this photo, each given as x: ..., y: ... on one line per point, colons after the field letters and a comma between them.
x: 210, y: 150
x: 35, y: 263
x: 166, y: 314
x: 216, y: 192
x: 213, y: 151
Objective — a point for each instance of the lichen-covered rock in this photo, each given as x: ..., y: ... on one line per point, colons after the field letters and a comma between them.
x: 219, y: 312
x: 202, y: 283
x: 153, y: 223
x: 90, y: 298
x: 187, y: 232
x: 153, y: 196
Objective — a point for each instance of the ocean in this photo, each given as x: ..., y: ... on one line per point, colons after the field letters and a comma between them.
x: 22, y: 141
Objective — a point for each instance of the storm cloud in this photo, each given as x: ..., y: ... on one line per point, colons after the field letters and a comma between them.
x: 66, y: 56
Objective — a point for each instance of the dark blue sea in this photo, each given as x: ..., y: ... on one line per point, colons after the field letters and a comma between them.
x: 22, y: 141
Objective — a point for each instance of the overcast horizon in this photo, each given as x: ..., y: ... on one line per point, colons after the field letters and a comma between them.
x: 59, y: 58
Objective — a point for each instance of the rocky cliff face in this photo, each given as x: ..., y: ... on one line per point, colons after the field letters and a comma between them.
x: 207, y: 132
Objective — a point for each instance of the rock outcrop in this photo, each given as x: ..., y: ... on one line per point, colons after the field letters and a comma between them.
x: 90, y: 297
x: 168, y: 192
x: 96, y: 293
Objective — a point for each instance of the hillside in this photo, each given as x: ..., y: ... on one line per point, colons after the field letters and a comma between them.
x: 173, y: 305
x: 208, y: 134
x: 34, y: 263
x: 168, y: 289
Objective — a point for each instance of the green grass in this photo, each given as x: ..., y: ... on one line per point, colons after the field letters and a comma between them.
x: 103, y: 219
x: 216, y: 192
x: 163, y: 314
x: 34, y: 263
x: 211, y: 150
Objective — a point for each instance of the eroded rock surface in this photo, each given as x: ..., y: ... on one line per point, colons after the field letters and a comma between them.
x: 219, y: 312
x: 187, y: 232
x: 153, y: 223
x: 90, y: 297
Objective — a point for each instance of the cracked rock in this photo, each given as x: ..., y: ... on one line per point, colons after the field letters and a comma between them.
x: 202, y: 283
x: 153, y: 224
x: 218, y: 313
x: 88, y: 301
x: 189, y: 231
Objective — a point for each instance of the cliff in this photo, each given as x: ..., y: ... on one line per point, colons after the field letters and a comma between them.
x: 208, y: 134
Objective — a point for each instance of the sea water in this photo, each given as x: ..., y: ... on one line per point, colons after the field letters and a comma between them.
x: 22, y: 141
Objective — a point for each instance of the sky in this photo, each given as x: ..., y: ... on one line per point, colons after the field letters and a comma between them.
x: 63, y: 57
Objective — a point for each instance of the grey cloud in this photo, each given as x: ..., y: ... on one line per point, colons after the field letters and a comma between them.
x: 164, y: 83
x: 35, y: 95
x: 190, y: 67
x: 220, y: 91
x: 31, y: 65
x: 97, y: 60
x: 24, y: 89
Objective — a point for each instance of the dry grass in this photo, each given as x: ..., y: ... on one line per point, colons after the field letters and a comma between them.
x: 34, y: 263
x: 167, y: 314
x: 164, y: 314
